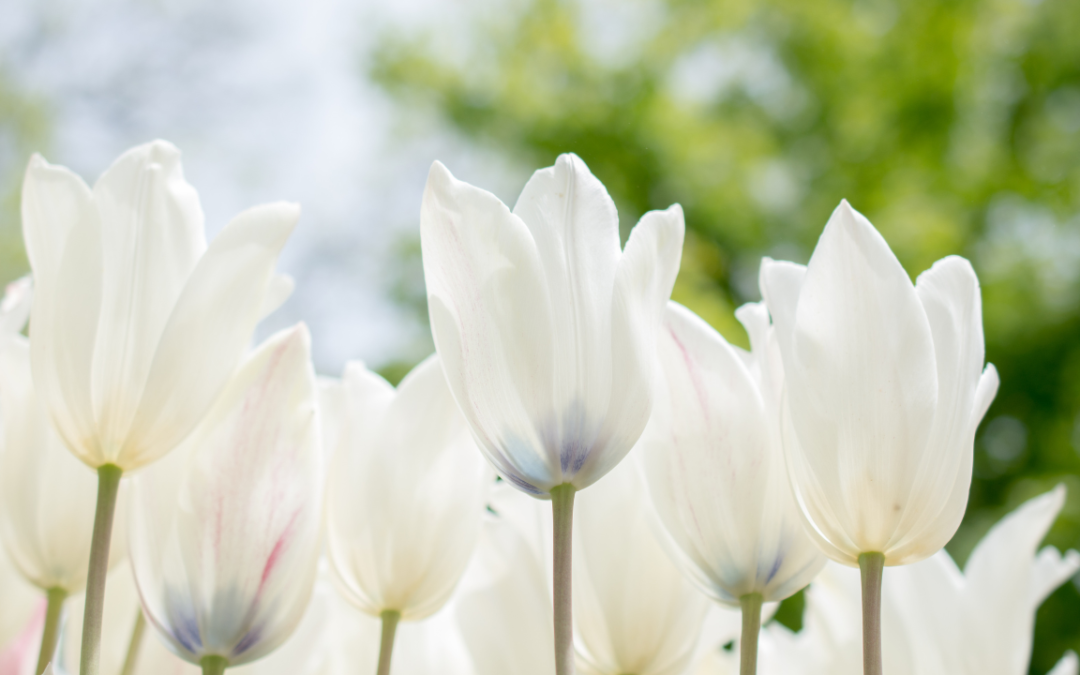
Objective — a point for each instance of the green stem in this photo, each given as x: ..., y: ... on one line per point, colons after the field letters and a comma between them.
x: 871, y: 565
x: 751, y: 628
x: 213, y: 665
x: 53, y: 610
x: 390, y: 620
x: 133, y: 644
x: 108, y: 488
x: 562, y: 517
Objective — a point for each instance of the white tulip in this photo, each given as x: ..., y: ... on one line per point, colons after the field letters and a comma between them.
x: 713, y: 460
x: 885, y: 387
x: 137, y: 324
x: 547, y: 332
x: 715, y: 467
x: 46, y: 495
x: 545, y: 328
x: 636, y: 612
x: 225, y: 533
x: 406, y: 497
x: 936, y: 620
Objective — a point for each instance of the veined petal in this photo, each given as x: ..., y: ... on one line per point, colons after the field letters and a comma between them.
x: 491, y: 321
x: 226, y: 566
x: 152, y: 230
x: 715, y: 468
x: 643, y: 285
x: 861, y: 380
x: 406, y: 498
x: 575, y: 227
x: 207, y: 331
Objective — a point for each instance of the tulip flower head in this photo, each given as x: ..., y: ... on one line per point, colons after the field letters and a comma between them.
x: 225, y: 539
x: 406, y: 495
x: 137, y: 324
x: 885, y: 386
x: 713, y: 460
x: 46, y: 495
x: 546, y: 329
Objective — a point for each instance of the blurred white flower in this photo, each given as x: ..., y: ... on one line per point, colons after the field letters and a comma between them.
x: 137, y: 324
x: 885, y: 387
x: 636, y: 612
x: 935, y: 619
x: 47, y: 496
x: 407, y: 493
x: 714, y: 464
x: 545, y: 328
x: 225, y: 533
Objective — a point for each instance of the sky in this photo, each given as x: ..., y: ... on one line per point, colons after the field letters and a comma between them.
x: 267, y: 101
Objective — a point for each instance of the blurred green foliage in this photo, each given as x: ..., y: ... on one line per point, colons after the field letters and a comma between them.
x: 24, y: 128
x: 954, y: 126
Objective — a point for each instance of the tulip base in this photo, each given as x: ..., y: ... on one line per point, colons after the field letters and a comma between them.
x: 133, y: 644
x: 213, y: 665
x: 54, y: 608
x: 390, y: 620
x: 562, y: 516
x: 871, y: 565
x: 751, y: 628
x: 108, y: 488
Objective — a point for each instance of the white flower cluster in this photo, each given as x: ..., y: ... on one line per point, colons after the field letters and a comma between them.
x: 273, y: 522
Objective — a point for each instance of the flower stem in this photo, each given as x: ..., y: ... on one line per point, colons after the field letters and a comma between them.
x: 54, y: 608
x: 751, y: 627
x: 213, y: 665
x: 133, y: 644
x: 562, y: 516
x: 390, y: 620
x: 108, y: 488
x: 871, y: 565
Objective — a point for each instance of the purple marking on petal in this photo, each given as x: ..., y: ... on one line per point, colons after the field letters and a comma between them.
x: 250, y: 639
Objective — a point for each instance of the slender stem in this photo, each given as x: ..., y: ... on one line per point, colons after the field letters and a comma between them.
x: 213, y: 665
x: 53, y: 610
x: 871, y: 565
x: 751, y: 627
x: 108, y: 488
x: 562, y: 517
x: 390, y: 620
x: 133, y: 644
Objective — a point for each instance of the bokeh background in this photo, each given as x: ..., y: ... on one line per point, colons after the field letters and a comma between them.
x: 954, y: 126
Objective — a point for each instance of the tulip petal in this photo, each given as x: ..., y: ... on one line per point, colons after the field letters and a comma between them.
x: 575, y: 228
x: 862, y: 382
x: 643, y: 285
x: 153, y: 223
x: 406, y: 499
x: 226, y: 561
x: 491, y: 321
x: 949, y: 292
x: 212, y: 324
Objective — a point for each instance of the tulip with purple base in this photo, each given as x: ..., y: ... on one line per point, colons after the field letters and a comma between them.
x: 547, y: 331
x: 226, y: 532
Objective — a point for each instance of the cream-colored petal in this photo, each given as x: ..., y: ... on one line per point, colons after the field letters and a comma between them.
x: 406, y: 496
x: 491, y: 319
x: 207, y: 332
x: 152, y: 236
x: 225, y: 561
x: 643, y: 285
